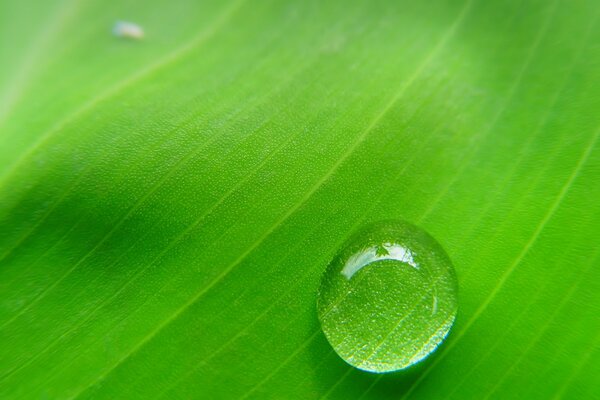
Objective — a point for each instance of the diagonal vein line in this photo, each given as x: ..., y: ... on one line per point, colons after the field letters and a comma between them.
x: 512, y: 91
x: 419, y: 70
x: 463, y: 13
x: 523, y: 312
x: 465, y: 375
x: 114, y: 90
x: 82, y: 175
x: 352, y: 148
x: 549, y: 214
x: 115, y: 227
x: 241, y: 332
x: 575, y: 372
x: 299, y: 350
x: 337, y: 384
x: 204, y: 214
x: 178, y: 165
x: 182, y: 125
x: 407, y: 164
x: 459, y: 20
x: 302, y: 67
x: 370, y: 387
x: 220, y: 276
x: 362, y: 136
x: 307, y: 341
x: 537, y: 130
x: 541, y: 34
x: 45, y: 216
x: 316, y: 367
x: 290, y: 76
x: 246, y: 328
x: 440, y: 45
x: 92, y: 312
x: 564, y: 301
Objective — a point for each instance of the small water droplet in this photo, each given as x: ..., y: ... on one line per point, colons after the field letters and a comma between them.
x: 128, y: 30
x: 388, y: 298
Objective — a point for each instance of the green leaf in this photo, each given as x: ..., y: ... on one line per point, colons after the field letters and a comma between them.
x: 168, y: 205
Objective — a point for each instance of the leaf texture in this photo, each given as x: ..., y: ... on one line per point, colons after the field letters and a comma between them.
x: 168, y: 205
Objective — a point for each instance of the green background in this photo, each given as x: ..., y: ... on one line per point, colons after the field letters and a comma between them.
x: 168, y: 205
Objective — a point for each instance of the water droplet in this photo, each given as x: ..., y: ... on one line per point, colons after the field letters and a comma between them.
x: 128, y: 30
x: 388, y: 298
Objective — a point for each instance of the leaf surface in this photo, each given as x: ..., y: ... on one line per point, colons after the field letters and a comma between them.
x: 168, y: 205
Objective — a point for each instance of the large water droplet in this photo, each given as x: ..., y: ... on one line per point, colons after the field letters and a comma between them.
x: 388, y: 298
